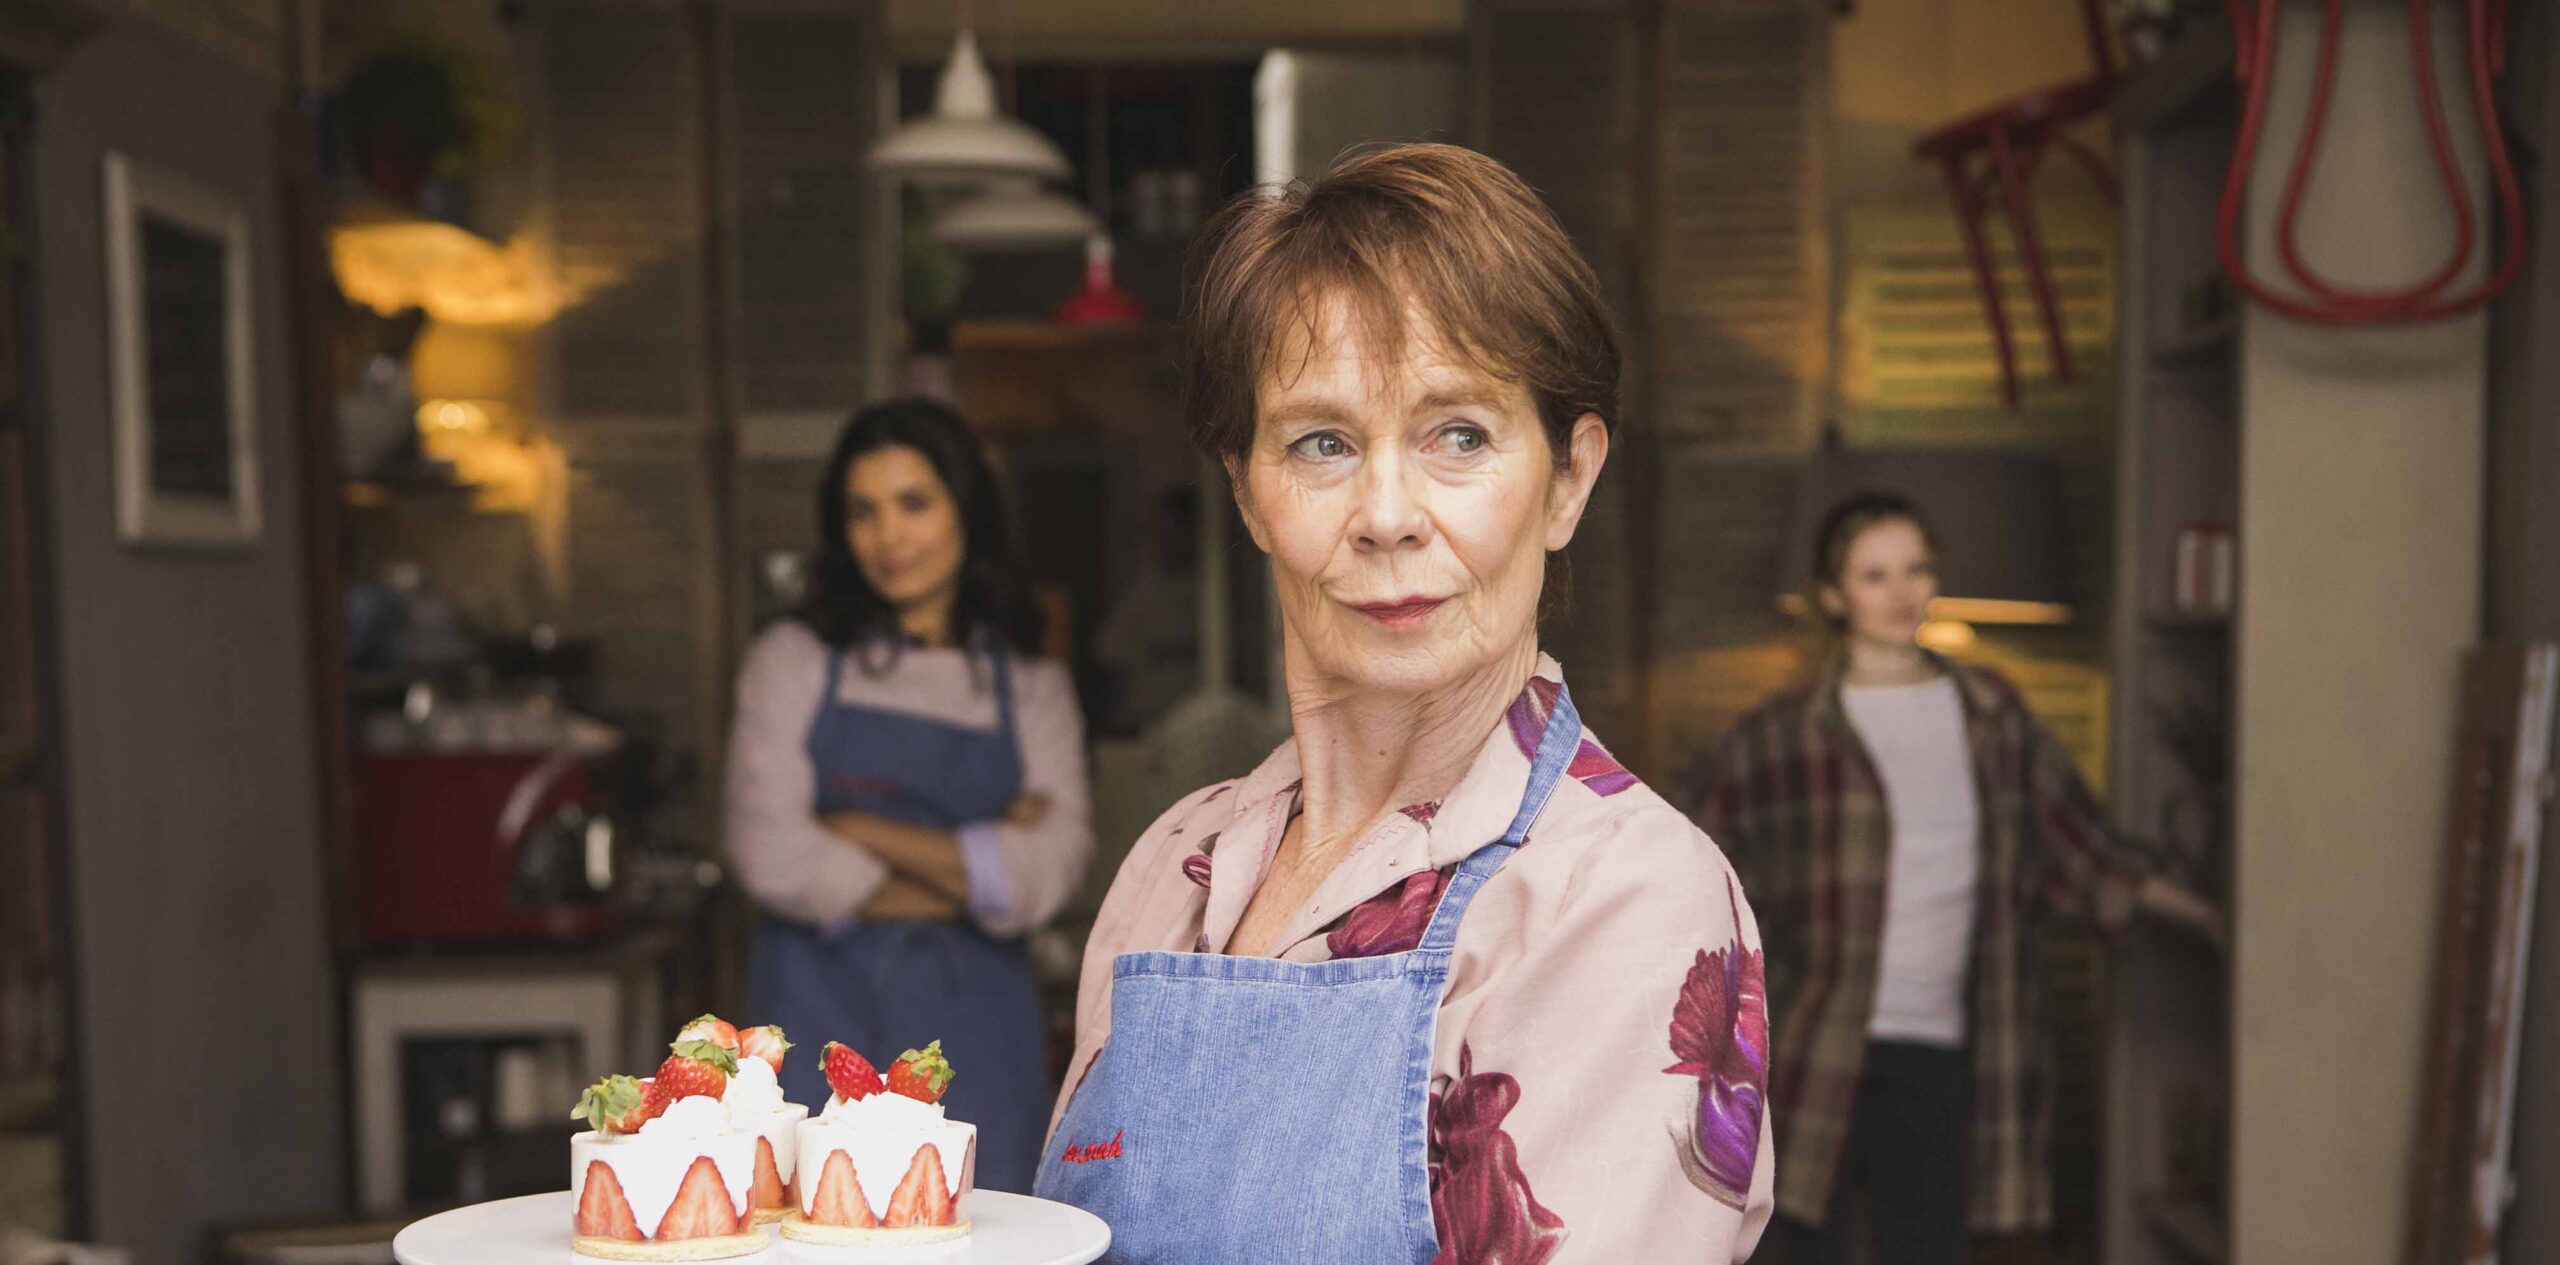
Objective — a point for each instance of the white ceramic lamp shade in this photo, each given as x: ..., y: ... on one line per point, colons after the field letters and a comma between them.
x: 1014, y: 215
x: 965, y: 141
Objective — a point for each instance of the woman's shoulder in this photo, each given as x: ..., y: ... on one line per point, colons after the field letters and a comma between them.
x: 1984, y: 686
x: 1192, y: 820
x: 1204, y: 811
x: 1041, y: 677
x: 1618, y: 840
x: 785, y: 646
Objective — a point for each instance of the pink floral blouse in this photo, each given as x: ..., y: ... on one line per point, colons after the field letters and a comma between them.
x: 1599, y: 1071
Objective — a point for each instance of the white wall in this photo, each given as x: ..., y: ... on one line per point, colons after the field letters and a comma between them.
x: 1312, y: 105
x: 2360, y: 564
x: 206, y: 1050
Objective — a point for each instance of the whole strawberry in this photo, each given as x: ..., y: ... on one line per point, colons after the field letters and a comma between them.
x: 616, y: 1104
x: 763, y: 1043
x: 848, y: 1073
x: 695, y: 1069
x: 921, y: 1074
x: 714, y: 1029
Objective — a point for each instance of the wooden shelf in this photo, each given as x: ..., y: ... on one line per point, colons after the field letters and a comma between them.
x: 2184, y: 75
x: 2200, y: 345
x: 27, y: 1101
x: 369, y: 493
x: 2187, y: 621
x: 2192, y: 1227
x: 2175, y: 669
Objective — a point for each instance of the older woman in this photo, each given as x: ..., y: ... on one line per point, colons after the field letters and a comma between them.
x: 1440, y: 980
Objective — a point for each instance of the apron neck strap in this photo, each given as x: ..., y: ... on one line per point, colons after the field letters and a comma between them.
x: 835, y: 676
x: 1001, y: 676
x: 1556, y: 749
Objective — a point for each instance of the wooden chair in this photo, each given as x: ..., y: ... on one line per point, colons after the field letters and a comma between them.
x: 2000, y: 148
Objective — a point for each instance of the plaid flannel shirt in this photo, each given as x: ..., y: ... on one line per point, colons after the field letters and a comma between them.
x: 1793, y: 798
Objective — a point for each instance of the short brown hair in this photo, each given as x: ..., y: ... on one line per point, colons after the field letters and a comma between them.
x: 1439, y: 227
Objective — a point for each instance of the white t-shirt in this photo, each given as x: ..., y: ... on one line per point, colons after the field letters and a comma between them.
x: 1916, y: 735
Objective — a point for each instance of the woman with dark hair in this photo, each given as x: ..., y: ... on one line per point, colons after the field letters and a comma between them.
x: 1904, y: 823
x: 906, y: 788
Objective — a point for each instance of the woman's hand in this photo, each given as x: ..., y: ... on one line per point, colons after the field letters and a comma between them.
x: 1028, y: 810
x: 902, y: 899
x: 2166, y: 899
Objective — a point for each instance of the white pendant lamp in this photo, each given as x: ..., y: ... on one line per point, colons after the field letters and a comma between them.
x: 965, y: 141
x: 1014, y: 214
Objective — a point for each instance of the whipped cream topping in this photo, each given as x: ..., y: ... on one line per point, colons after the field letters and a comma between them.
x: 753, y: 1094
x: 691, y: 1119
x: 883, y: 1110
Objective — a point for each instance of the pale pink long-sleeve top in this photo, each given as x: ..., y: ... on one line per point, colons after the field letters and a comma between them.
x: 793, y: 865
x: 1599, y: 1069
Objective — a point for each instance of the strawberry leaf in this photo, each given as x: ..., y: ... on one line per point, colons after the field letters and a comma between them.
x: 711, y: 1052
x: 606, y: 1101
x: 929, y: 1064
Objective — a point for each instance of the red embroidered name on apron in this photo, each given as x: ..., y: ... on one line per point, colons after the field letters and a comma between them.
x: 1092, y: 1151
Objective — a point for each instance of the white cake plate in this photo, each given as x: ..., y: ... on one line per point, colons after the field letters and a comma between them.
x: 534, y: 1230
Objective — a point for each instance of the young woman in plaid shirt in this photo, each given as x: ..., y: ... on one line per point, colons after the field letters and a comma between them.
x: 1903, y: 823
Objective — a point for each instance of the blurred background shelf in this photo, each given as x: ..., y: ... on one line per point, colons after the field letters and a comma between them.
x: 2191, y: 1226
x: 27, y: 1101
x: 2214, y: 338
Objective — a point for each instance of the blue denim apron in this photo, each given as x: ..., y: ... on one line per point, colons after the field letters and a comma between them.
x: 887, y: 986
x: 1247, y: 1109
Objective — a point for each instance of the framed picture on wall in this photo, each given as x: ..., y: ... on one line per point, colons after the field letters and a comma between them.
x: 178, y: 331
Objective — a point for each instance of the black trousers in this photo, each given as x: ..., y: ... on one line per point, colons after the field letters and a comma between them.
x: 1904, y: 1162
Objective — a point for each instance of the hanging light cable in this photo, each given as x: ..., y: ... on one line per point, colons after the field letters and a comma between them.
x: 1099, y: 301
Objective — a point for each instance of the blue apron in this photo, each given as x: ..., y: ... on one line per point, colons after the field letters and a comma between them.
x: 1247, y: 1109
x: 886, y: 987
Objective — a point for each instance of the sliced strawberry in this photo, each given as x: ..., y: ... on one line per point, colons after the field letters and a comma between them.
x: 763, y: 1043
x: 602, y: 1211
x: 921, y: 1074
x: 848, y: 1073
x: 702, y: 1209
x: 616, y: 1104
x: 840, y: 1200
x: 714, y: 1029
x: 924, y: 1198
x: 767, y: 1191
x: 968, y: 1178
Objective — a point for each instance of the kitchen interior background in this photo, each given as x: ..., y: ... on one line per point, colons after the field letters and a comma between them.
x: 346, y: 837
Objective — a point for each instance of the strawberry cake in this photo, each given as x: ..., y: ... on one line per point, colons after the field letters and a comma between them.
x: 754, y: 1100
x: 881, y: 1164
x: 679, y: 1167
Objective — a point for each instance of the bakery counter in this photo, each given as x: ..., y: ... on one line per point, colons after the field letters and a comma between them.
x: 465, y: 1058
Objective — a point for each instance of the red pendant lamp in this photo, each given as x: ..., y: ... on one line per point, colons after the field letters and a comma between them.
x: 1101, y: 301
